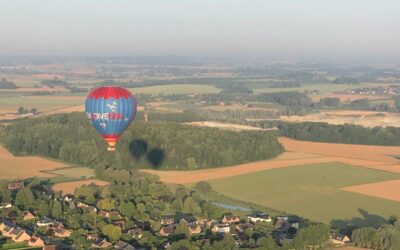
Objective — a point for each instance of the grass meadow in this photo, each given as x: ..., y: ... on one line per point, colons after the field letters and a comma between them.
x: 313, y: 191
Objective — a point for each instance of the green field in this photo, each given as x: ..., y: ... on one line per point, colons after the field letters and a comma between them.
x: 42, y: 103
x: 76, y: 173
x: 176, y: 89
x: 321, y: 87
x: 313, y: 191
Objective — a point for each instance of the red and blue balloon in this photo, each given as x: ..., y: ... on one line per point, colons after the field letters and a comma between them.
x: 111, y: 110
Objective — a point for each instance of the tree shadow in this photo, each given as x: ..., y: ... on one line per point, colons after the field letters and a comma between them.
x: 138, y: 148
x: 366, y: 220
x: 156, y: 157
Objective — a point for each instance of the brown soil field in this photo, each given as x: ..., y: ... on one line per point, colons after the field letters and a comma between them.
x: 298, y: 153
x: 387, y: 189
x: 12, y: 167
x: 357, y: 117
x: 69, y: 187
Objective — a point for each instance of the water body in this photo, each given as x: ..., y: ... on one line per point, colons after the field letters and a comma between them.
x: 232, y: 207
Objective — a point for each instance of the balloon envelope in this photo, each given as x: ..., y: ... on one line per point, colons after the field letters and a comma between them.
x: 111, y: 110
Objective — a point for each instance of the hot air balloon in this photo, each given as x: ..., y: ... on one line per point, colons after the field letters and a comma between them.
x: 111, y: 110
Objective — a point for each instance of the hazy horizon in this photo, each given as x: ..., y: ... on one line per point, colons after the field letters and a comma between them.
x: 332, y: 31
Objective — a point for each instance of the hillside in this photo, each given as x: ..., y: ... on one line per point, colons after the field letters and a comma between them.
x: 70, y: 137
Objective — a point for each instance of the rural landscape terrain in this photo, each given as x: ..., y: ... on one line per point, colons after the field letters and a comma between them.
x: 220, y: 155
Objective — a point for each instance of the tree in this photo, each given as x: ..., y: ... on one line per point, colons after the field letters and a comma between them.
x: 106, y: 204
x: 24, y: 198
x: 182, y: 229
x: 21, y: 110
x: 190, y: 206
x: 57, y: 209
x: 267, y: 242
x: 43, y: 208
x: 227, y: 243
x: 203, y: 187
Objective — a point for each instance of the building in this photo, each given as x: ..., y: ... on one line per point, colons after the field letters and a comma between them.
x: 221, y: 228
x: 167, y: 230
x: 101, y: 243
x: 122, y: 245
x: 339, y: 239
x: 167, y: 220
x: 195, y: 229
x: 36, y: 241
x: 230, y: 218
x: 26, y: 215
x: 45, y: 222
x: 61, y: 232
x: 14, y: 186
x: 136, y: 233
x: 259, y: 217
x: 5, y: 205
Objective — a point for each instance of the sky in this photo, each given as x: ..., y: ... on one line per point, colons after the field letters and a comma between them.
x: 324, y: 30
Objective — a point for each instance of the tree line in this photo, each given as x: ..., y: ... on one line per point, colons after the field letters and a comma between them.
x: 163, y: 145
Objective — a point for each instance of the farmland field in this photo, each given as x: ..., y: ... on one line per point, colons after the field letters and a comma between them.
x: 74, y: 172
x: 69, y: 187
x: 176, y: 89
x: 313, y: 191
x: 321, y: 87
x: 25, y: 167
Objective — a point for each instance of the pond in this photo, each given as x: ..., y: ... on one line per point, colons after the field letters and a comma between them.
x: 232, y: 207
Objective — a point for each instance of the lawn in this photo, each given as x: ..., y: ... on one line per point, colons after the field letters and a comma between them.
x: 313, y: 191
x: 176, y: 89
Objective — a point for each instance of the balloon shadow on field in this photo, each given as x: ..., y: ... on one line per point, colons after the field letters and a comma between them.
x: 366, y: 220
x: 156, y: 157
x: 139, y: 149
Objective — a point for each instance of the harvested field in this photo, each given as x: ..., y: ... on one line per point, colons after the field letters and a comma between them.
x: 227, y: 126
x: 69, y: 187
x: 364, y: 118
x: 12, y: 167
x: 300, y: 153
x: 386, y: 190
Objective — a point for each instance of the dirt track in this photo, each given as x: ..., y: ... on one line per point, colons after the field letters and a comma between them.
x: 300, y: 153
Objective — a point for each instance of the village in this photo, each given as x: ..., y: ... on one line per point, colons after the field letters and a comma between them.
x: 49, y: 232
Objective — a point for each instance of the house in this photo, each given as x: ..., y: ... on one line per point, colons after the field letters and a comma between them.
x: 26, y: 215
x: 45, y: 222
x: 167, y: 230
x: 221, y: 228
x: 241, y: 227
x: 101, y: 243
x: 189, y: 219
x: 230, y: 218
x: 136, y: 233
x: 81, y: 204
x: 68, y: 198
x: 122, y: 245
x: 91, y: 209
x: 282, y: 223
x: 195, y: 229
x: 17, y: 234
x: 61, y: 232
x: 109, y: 214
x: 14, y: 186
x: 36, y: 241
x: 120, y: 223
x: 5, y: 205
x: 259, y: 217
x: 339, y: 239
x: 167, y: 220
